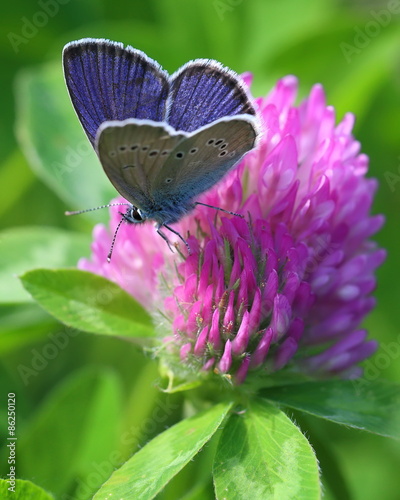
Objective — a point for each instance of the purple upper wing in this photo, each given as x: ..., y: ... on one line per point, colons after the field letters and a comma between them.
x: 107, y: 81
x: 203, y: 91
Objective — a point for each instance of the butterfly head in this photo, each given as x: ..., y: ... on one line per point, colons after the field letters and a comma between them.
x: 134, y: 215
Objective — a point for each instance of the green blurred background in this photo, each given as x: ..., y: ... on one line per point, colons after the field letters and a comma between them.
x: 77, y: 394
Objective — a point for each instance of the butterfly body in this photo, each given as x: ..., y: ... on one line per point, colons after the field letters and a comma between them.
x: 166, y: 211
x: 162, y: 140
x: 162, y: 212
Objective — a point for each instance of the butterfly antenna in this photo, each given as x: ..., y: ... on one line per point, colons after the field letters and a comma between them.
x: 97, y: 208
x: 218, y: 208
x: 113, y: 240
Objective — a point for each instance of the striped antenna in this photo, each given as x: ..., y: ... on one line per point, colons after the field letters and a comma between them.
x: 97, y: 208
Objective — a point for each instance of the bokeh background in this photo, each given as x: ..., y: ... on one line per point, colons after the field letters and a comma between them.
x: 77, y: 394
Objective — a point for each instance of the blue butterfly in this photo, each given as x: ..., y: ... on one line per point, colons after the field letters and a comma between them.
x: 162, y: 140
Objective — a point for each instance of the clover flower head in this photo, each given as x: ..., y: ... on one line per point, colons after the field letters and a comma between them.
x: 286, y: 286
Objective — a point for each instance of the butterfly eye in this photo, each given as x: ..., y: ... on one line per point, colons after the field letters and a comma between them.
x: 136, y: 214
x: 165, y: 152
x: 154, y: 152
x: 193, y: 151
x: 220, y: 141
x: 222, y: 153
x: 145, y: 148
x: 210, y: 142
x: 179, y: 155
x: 168, y: 180
x: 223, y: 146
x: 133, y: 147
x: 122, y: 148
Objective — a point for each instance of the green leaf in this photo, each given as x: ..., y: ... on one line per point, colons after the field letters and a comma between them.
x: 370, y: 406
x: 334, y: 480
x: 149, y: 470
x: 69, y: 423
x: 262, y: 454
x: 22, y: 491
x: 26, y: 248
x: 88, y: 302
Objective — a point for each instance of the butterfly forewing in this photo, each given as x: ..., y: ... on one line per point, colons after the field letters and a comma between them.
x: 202, y: 159
x: 133, y: 152
x: 203, y: 91
x: 109, y: 82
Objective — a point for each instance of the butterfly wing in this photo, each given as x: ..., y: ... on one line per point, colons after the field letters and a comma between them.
x: 203, y: 91
x: 133, y: 152
x: 107, y: 81
x: 202, y: 159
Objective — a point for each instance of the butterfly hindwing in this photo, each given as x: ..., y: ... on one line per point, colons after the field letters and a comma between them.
x: 203, y: 158
x: 133, y: 152
x: 107, y: 81
x: 203, y: 91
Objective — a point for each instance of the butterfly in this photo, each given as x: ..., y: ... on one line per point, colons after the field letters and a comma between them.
x: 161, y: 139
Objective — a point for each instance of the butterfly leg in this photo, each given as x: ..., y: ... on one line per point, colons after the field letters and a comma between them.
x: 179, y: 235
x: 164, y: 238
x: 218, y: 208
